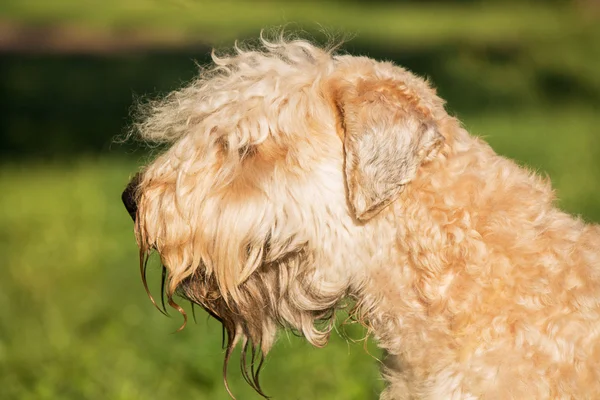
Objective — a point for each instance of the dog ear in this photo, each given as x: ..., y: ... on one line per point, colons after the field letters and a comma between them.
x: 386, y: 138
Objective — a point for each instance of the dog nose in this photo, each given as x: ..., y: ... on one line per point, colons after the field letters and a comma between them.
x: 129, y: 195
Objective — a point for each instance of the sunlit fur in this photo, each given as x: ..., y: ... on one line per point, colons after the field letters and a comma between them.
x: 295, y: 178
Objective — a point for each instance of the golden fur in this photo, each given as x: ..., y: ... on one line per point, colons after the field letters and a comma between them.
x: 295, y: 178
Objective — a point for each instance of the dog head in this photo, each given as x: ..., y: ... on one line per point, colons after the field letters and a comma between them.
x: 278, y: 163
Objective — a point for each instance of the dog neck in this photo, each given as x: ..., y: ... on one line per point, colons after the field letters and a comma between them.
x: 403, y: 299
x: 452, y: 227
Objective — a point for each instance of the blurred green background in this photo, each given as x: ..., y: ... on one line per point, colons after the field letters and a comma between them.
x: 75, y: 322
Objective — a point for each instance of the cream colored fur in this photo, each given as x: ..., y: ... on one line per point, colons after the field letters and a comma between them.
x: 295, y: 178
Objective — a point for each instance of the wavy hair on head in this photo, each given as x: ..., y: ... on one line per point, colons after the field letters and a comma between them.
x: 229, y: 241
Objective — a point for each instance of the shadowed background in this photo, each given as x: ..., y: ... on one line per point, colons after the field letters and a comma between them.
x: 75, y: 322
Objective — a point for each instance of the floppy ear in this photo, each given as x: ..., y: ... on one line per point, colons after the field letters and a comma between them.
x: 386, y: 138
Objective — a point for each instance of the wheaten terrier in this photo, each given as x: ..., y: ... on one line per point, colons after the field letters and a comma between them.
x: 295, y: 178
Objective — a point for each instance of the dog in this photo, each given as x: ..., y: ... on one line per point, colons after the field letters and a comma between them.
x: 295, y: 178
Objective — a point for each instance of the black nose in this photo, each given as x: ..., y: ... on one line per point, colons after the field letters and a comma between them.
x: 129, y: 195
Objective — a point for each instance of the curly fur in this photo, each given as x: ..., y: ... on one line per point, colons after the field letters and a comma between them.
x: 295, y: 178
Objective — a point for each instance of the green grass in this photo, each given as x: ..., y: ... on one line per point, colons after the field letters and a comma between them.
x: 76, y: 323
x: 218, y: 21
